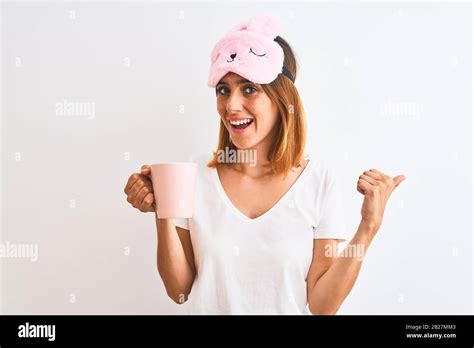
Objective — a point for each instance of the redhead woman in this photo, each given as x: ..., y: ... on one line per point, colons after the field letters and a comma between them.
x: 268, y: 216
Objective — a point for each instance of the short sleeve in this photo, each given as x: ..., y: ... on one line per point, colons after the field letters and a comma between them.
x: 181, y: 222
x: 331, y: 224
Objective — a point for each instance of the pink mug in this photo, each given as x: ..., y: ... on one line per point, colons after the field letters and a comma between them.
x: 174, y: 187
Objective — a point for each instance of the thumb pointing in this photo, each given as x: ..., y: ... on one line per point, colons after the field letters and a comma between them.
x: 398, y: 179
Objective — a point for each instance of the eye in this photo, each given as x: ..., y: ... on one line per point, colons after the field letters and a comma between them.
x: 259, y: 55
x: 220, y: 89
x: 251, y: 89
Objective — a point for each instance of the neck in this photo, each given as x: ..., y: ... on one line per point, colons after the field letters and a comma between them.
x: 260, y: 166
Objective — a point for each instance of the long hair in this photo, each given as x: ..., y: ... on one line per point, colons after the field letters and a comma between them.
x: 287, y: 148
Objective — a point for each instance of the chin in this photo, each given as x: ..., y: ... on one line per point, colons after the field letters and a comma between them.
x: 243, y: 145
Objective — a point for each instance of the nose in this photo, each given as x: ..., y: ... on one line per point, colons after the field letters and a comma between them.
x: 232, y: 56
x: 234, y: 102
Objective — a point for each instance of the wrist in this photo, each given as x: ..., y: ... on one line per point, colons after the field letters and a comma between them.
x: 162, y: 220
x: 369, y: 226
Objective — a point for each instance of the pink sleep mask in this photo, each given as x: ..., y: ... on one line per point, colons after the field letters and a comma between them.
x: 250, y: 51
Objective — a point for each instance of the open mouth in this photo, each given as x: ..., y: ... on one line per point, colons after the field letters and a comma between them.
x: 241, y: 124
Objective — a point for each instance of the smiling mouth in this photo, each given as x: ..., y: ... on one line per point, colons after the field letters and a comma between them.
x: 241, y: 126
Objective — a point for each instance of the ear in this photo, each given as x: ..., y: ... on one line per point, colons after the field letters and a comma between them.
x: 267, y: 25
x: 239, y: 27
x: 215, y: 53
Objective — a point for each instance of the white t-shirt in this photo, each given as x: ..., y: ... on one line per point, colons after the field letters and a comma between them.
x: 259, y: 266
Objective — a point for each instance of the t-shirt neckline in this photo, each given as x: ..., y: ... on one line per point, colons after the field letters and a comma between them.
x: 242, y: 216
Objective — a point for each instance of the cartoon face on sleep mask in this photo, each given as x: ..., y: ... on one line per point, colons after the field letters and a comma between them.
x: 250, y: 51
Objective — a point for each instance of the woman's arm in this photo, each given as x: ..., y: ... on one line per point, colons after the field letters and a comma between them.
x: 175, y: 259
x: 327, y: 291
x: 329, y: 286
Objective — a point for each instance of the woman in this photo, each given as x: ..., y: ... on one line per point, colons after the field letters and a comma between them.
x: 263, y: 237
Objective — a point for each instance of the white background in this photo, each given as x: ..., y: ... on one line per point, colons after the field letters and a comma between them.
x: 384, y: 85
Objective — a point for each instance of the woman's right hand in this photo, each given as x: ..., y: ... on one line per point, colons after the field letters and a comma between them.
x: 139, y: 190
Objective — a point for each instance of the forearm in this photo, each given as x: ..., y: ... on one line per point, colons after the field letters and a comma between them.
x: 330, y: 290
x: 173, y: 267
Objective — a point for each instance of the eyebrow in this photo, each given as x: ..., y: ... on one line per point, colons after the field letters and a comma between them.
x: 238, y: 82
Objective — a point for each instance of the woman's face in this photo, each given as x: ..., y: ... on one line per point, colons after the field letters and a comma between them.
x: 239, y: 99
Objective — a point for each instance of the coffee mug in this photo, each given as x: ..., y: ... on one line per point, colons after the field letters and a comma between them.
x: 174, y: 187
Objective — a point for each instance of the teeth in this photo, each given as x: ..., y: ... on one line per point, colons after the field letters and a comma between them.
x: 236, y: 123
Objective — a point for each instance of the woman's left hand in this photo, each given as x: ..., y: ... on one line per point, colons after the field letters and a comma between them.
x: 377, y: 188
